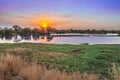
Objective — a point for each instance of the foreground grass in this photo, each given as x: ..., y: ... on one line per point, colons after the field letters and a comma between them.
x: 14, y: 68
x: 97, y: 59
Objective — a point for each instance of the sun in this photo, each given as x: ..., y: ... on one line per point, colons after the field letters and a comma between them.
x: 44, y: 24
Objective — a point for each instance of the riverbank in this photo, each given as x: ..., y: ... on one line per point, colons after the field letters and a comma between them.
x: 98, y: 59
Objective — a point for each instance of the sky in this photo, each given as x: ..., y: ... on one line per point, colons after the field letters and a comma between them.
x: 61, y: 14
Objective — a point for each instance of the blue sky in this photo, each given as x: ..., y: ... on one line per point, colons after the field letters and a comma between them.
x: 61, y: 14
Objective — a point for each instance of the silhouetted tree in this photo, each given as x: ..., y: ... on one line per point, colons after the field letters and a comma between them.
x: 35, y: 32
x: 25, y: 32
x: 16, y: 29
x: 2, y: 33
x: 8, y: 33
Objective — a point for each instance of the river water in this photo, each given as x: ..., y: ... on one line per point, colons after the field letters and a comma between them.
x: 68, y: 40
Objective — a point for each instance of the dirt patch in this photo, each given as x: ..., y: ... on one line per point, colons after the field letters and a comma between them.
x: 51, y: 55
x: 18, y: 78
x: 78, y: 51
x: 116, y: 52
x: 17, y: 51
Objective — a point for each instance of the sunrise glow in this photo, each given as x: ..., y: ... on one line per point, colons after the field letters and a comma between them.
x: 44, y: 24
x: 61, y: 14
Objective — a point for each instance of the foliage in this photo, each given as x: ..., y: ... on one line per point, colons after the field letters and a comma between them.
x: 25, y: 32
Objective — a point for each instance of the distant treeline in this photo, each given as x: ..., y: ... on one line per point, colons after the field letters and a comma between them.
x: 88, y: 31
x: 17, y: 30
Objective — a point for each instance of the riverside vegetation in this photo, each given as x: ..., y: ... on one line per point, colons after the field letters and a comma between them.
x: 15, y: 30
x: 30, y: 61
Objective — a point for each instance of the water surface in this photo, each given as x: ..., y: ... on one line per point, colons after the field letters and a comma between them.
x: 69, y: 40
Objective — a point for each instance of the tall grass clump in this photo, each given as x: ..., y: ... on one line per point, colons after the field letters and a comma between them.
x: 10, y: 66
x: 14, y: 68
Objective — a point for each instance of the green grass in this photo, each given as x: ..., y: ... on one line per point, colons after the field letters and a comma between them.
x: 83, y: 58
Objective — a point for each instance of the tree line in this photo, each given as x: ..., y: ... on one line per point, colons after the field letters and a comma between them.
x: 24, y: 32
x: 88, y: 31
x: 17, y: 30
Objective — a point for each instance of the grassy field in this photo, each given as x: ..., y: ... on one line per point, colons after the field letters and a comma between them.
x: 98, y: 59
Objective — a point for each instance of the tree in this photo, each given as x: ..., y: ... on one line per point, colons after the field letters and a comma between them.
x: 8, y: 33
x: 25, y: 32
x: 17, y: 29
x: 35, y: 32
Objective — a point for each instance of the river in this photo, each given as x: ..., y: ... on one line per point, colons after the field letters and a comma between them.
x: 68, y: 40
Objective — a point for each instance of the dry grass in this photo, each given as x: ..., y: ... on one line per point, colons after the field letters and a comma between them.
x: 14, y: 68
x: 40, y: 72
x: 116, y: 72
x: 10, y: 66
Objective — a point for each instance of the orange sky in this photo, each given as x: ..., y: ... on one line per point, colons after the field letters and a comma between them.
x: 60, y: 21
x: 61, y: 14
